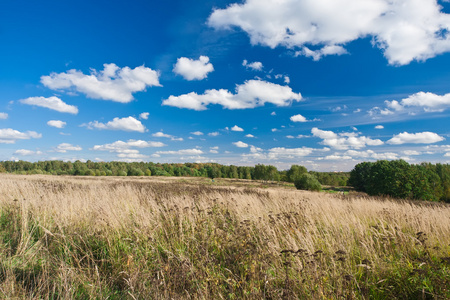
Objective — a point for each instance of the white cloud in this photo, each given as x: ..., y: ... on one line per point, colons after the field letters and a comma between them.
x: 415, y: 138
x: 447, y: 154
x: 56, y: 123
x: 255, y: 66
x: 197, y: 133
x: 273, y: 113
x: 287, y: 80
x: 379, y: 127
x: 3, y: 116
x: 24, y: 152
x: 250, y: 135
x: 403, y: 30
x: 10, y: 136
x: 181, y: 152
x: 193, y: 69
x: 124, y: 147
x: 236, y: 128
x: 344, y: 141
x: 335, y: 157
x: 274, y: 130
x: 317, y: 55
x: 125, y: 124
x: 251, y: 94
x: 214, y: 150
x: 377, y: 111
x: 429, y: 102
x: 298, y: 118
x: 289, y: 153
x: 144, y: 115
x: 411, y: 152
x: 112, y: 83
x: 370, y: 154
x: 53, y: 103
x: 64, y: 147
x: 240, y: 144
x: 215, y: 133
x: 164, y: 135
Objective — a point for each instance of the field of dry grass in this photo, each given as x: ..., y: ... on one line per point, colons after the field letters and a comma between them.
x: 190, y: 238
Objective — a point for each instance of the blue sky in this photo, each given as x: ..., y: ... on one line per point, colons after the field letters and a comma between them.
x: 324, y: 83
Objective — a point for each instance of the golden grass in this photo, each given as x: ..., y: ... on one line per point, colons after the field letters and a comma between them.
x: 344, y: 241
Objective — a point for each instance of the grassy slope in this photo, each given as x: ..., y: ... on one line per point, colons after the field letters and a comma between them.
x: 160, y: 238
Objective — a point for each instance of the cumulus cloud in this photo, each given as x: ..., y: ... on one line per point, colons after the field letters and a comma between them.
x: 415, y: 138
x: 164, y: 135
x: 64, y: 147
x: 10, y: 136
x: 370, y: 154
x: 411, y: 152
x: 125, y: 151
x: 429, y: 102
x: 236, y: 128
x: 56, y: 123
x: 123, y: 147
x: 298, y: 118
x: 53, y: 103
x: 144, y: 115
x: 281, y: 152
x: 335, y: 157
x: 251, y: 94
x: 181, y: 152
x: 192, y: 69
x: 403, y: 30
x: 24, y: 152
x: 112, y: 83
x: 215, y: 133
x: 240, y: 144
x: 250, y: 135
x: 125, y: 124
x: 3, y: 116
x: 379, y: 127
x: 255, y: 66
x: 343, y: 141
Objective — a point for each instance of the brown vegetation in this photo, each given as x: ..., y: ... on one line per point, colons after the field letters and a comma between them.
x: 161, y: 238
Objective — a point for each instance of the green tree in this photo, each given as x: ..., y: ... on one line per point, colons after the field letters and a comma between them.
x: 307, y: 182
x: 360, y: 176
x: 295, y: 172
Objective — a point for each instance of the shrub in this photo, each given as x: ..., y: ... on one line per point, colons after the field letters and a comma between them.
x: 308, y: 182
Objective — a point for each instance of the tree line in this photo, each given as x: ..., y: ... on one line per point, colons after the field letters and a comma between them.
x: 400, y: 179
x: 212, y: 170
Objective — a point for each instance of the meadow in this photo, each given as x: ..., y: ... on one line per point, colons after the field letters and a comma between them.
x: 64, y: 237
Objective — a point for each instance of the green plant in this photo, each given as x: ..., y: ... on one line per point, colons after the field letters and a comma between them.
x: 307, y: 182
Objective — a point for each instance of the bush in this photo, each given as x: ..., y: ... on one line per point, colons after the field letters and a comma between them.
x: 308, y: 182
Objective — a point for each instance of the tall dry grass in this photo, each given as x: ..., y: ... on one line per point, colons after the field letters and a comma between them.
x: 75, y: 237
